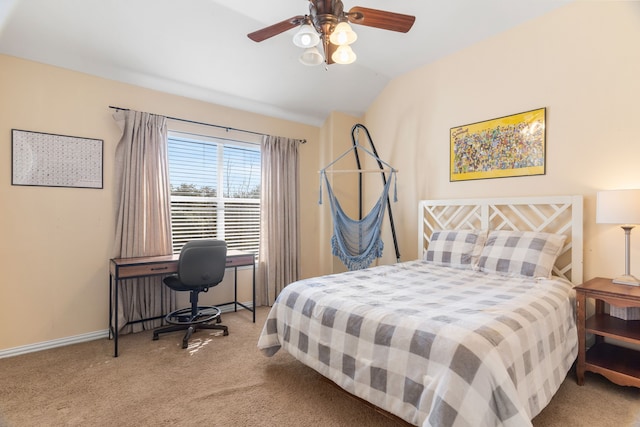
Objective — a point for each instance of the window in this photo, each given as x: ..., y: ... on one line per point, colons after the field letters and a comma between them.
x: 215, y: 191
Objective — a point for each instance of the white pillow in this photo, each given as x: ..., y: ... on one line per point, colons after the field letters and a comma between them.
x: 521, y: 253
x: 455, y: 248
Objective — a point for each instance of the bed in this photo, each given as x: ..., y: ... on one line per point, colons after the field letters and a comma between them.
x: 478, y: 331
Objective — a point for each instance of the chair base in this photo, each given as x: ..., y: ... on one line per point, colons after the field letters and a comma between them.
x: 182, y: 319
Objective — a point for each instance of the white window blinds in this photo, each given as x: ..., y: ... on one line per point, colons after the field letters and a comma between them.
x: 215, y: 191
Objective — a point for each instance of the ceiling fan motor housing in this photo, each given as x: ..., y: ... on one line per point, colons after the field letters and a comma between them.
x: 325, y: 15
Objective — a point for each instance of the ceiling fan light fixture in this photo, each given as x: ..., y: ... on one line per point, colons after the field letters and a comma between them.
x: 344, y: 55
x: 343, y: 34
x: 311, y: 56
x: 306, y: 37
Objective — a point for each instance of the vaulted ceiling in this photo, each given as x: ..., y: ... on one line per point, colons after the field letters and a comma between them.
x: 200, y: 49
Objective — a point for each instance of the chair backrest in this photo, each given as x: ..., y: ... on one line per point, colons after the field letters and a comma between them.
x: 202, y: 262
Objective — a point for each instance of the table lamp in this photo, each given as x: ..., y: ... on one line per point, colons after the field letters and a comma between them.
x: 620, y: 207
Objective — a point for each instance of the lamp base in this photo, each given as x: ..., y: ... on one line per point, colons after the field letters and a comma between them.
x: 627, y: 280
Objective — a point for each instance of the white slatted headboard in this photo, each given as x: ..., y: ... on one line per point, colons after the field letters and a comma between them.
x: 553, y: 214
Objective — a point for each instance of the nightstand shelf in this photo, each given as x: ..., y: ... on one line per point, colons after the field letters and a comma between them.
x: 612, y: 327
x: 619, y: 364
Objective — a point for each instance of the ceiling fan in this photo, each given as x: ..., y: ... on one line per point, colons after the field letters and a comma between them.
x: 327, y: 22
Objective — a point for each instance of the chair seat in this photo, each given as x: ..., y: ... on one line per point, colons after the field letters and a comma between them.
x: 174, y: 283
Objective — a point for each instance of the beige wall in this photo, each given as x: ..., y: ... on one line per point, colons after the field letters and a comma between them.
x: 582, y: 63
x: 55, y: 243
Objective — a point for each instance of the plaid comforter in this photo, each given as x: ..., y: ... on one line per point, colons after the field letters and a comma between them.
x: 436, y: 346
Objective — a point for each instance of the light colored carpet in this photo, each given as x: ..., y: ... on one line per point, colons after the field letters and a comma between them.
x: 225, y: 381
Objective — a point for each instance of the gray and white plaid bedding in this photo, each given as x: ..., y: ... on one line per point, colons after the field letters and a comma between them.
x: 436, y: 346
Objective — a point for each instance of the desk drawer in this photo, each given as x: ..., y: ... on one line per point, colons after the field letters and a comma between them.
x: 240, y: 260
x: 147, y: 269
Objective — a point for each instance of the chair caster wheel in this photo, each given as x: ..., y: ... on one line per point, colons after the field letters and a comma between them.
x: 225, y: 333
x: 156, y: 338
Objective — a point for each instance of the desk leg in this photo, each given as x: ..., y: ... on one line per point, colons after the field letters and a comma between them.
x: 235, y: 292
x: 110, y: 306
x: 235, y: 289
x: 115, y: 319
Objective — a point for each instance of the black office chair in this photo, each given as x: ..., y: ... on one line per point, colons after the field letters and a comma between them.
x: 201, y: 266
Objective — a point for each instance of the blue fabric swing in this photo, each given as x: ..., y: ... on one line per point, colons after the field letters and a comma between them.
x: 357, y: 242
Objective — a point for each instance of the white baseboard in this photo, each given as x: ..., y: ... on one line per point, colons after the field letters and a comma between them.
x: 45, y: 345
x: 229, y: 308
x: 76, y: 339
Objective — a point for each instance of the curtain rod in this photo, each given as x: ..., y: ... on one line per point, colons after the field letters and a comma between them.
x: 226, y: 128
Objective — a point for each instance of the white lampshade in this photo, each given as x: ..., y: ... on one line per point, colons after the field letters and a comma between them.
x: 343, y: 35
x: 618, y: 207
x: 343, y: 55
x: 306, y: 36
x: 311, y: 56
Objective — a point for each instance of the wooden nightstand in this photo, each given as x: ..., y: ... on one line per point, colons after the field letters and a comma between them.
x: 619, y: 364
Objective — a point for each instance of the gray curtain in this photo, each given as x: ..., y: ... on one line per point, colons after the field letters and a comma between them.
x: 143, y: 222
x: 279, y: 262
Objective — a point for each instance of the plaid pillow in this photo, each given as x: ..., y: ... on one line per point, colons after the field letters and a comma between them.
x: 455, y: 248
x: 520, y: 253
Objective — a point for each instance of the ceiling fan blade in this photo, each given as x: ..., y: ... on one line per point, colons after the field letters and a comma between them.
x: 381, y: 19
x: 275, y: 29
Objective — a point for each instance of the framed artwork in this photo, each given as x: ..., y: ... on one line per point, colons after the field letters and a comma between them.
x: 504, y: 147
x: 44, y: 159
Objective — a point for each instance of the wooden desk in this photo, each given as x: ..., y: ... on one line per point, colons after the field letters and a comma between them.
x: 129, y: 268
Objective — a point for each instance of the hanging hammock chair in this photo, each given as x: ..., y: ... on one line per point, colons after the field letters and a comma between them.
x: 357, y: 242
